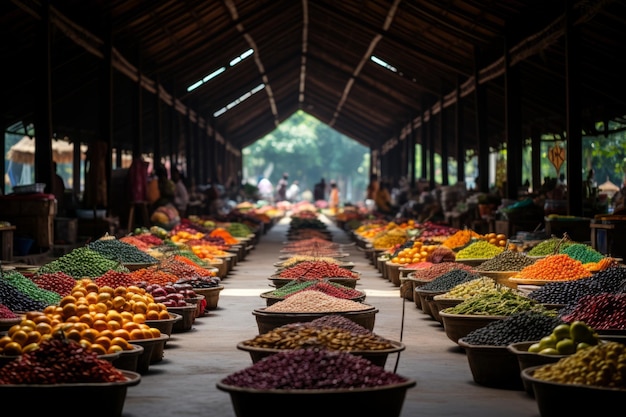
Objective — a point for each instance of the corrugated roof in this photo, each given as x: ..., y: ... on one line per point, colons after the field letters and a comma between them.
x: 312, y: 55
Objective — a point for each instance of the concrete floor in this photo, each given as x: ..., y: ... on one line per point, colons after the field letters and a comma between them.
x: 183, y: 383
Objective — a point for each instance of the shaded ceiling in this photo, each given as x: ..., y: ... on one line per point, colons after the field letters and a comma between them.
x: 312, y: 55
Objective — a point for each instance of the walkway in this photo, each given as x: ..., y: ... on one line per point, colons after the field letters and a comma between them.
x: 183, y: 383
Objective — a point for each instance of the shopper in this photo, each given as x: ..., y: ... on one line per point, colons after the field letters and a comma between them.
x: 319, y: 191
x: 333, y: 198
x: 281, y: 188
x: 293, y: 192
x: 181, y: 195
x: 383, y: 198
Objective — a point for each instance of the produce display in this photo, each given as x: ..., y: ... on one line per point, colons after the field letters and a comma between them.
x: 549, y: 246
x: 518, y: 327
x: 479, y: 249
x: 325, y: 370
x: 101, y: 318
x: 171, y: 295
x: 315, y: 302
x: 433, y: 271
x: 316, y: 270
x: 59, y: 361
x: 611, y: 280
x: 610, y: 357
x: 291, y: 261
x: 82, y: 262
x: 123, y: 252
x: 330, y: 288
x: 415, y: 252
x: 503, y: 301
x: 476, y: 286
x: 559, y: 267
x: 312, y: 335
x: 448, y: 280
x: 566, y: 339
x: 602, y: 311
x: 506, y: 261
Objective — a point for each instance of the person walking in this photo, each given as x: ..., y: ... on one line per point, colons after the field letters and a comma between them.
x: 281, y: 188
x: 293, y: 192
x: 181, y: 195
x: 319, y: 191
x: 333, y: 198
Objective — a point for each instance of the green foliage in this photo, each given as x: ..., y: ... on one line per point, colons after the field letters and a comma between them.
x: 309, y: 150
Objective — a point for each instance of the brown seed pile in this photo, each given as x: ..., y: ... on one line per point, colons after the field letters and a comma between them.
x: 315, y: 302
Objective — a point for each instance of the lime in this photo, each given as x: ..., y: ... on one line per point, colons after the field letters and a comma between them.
x: 581, y: 332
x: 582, y: 345
x: 549, y: 351
x: 547, y: 342
x: 565, y: 346
x: 561, y: 331
x: 534, y: 348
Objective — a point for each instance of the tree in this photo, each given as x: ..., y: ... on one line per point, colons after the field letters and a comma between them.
x: 309, y: 150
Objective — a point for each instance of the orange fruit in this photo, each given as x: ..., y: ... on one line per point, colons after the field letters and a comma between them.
x: 12, y: 349
x: 123, y: 333
x: 100, y: 325
x: 147, y: 334
x: 163, y: 315
x: 136, y: 334
x: 115, y: 349
x: 152, y: 315
x: 44, y: 318
x: 49, y: 309
x: 33, y: 337
x: 120, y: 291
x: 121, y: 342
x: 107, y: 333
x: 73, y: 334
x: 43, y: 328
x: 92, y: 297
x: 130, y: 326
x: 114, y: 315
x: 82, y: 309
x: 118, y: 302
x: 30, y: 347
x: 114, y: 325
x: 31, y: 315
x: 87, y: 319
x: 90, y: 334
x: 13, y: 329
x: 103, y: 297
x: 28, y: 324
x: 4, y: 340
x: 68, y: 299
x: 106, y: 289
x: 156, y: 333
x: 103, y: 341
x: 19, y: 336
x: 72, y: 319
x: 101, y: 307
x: 98, y: 349
x: 139, y: 318
x: 127, y: 315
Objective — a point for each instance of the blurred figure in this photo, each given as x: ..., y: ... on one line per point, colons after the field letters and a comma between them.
x: 293, y: 192
x: 333, y: 198
x: 58, y: 189
x: 266, y: 189
x: 281, y: 188
x: 319, y: 190
x: 383, y: 198
x: 181, y: 195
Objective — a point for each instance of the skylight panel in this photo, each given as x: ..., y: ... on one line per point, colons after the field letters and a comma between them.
x: 239, y: 100
x: 220, y: 70
x: 383, y: 64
